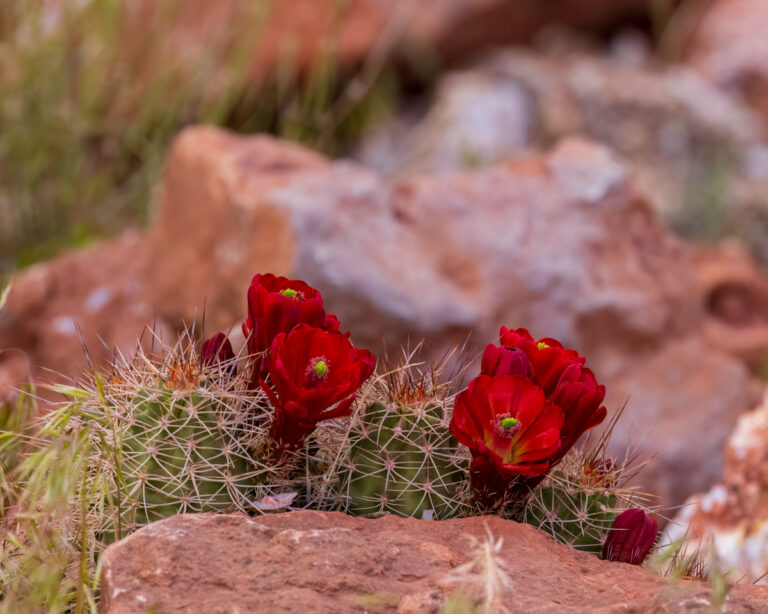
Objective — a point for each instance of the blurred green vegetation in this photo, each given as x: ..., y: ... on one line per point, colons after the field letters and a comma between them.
x: 86, y: 115
x: 707, y: 214
x: 43, y: 564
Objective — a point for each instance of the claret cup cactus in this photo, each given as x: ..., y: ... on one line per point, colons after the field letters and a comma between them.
x: 299, y: 418
x: 399, y: 456
x: 523, y: 414
x: 174, y: 437
x: 578, y: 501
x: 520, y: 419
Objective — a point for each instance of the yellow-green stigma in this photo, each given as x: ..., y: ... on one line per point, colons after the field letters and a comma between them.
x: 542, y: 346
x: 508, y: 423
x: 289, y: 293
x: 505, y: 427
x: 321, y: 368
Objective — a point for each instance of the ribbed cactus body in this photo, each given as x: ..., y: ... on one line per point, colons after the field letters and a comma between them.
x: 401, y: 459
x: 181, y: 452
x: 172, y: 437
x: 572, y: 512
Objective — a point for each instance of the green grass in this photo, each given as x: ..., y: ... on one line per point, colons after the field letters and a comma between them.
x: 42, y: 569
x: 85, y: 124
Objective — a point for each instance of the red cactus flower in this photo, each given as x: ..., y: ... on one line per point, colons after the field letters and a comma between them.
x: 510, y: 428
x: 561, y: 374
x: 276, y: 305
x: 216, y: 348
x: 315, y: 374
x: 631, y: 537
x: 505, y: 361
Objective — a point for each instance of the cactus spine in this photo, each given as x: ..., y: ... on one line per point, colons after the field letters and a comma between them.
x: 181, y: 452
x: 403, y: 461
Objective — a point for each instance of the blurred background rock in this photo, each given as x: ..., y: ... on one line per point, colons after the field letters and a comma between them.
x: 593, y: 170
x: 94, y: 90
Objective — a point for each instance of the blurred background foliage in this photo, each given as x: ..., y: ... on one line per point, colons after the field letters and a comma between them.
x: 86, y: 114
x: 88, y: 107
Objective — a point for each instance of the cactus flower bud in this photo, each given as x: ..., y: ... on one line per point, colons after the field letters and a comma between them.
x: 631, y: 537
x: 216, y: 348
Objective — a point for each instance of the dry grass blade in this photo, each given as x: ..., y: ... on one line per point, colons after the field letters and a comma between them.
x: 5, y: 289
x: 679, y: 561
x: 486, y: 577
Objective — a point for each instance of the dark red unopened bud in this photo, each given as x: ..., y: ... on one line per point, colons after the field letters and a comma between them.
x: 631, y: 537
x: 505, y: 361
x: 216, y: 348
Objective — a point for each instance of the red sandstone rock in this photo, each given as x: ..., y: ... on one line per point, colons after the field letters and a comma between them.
x: 326, y: 562
x: 729, y: 47
x: 528, y: 242
x: 698, y: 154
x: 682, y: 401
x: 93, y: 297
x: 736, y: 302
x: 15, y: 371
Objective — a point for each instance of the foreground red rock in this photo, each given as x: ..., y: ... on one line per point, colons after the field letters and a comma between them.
x: 326, y: 562
x: 563, y: 244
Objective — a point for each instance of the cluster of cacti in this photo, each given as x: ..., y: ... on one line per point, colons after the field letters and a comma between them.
x: 190, y: 433
x: 202, y: 430
x: 399, y: 456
